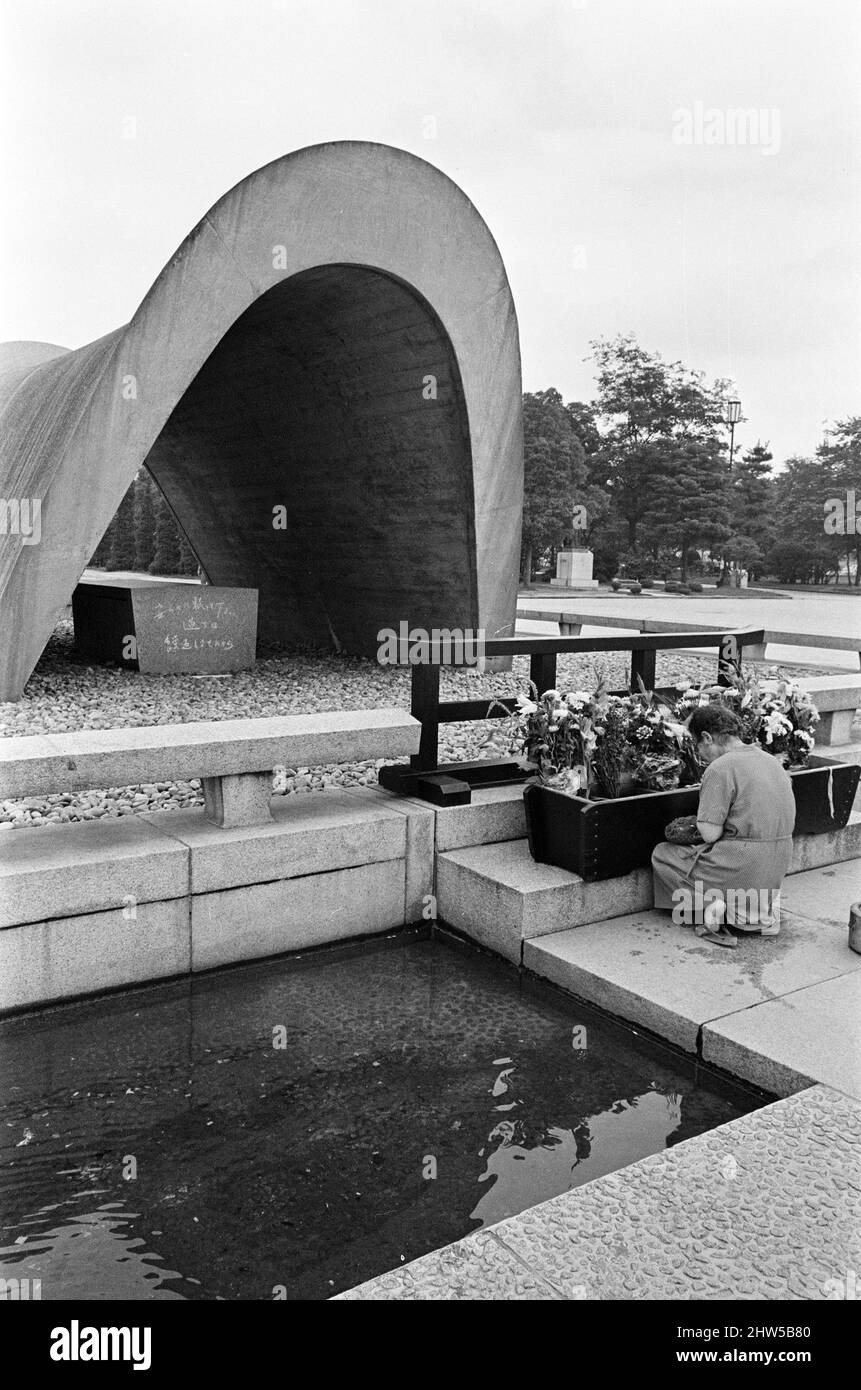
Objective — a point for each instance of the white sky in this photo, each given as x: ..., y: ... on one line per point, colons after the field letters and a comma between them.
x: 554, y: 116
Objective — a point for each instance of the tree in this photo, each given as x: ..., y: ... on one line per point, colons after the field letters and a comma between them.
x: 144, y: 517
x: 554, y: 476
x: 789, y: 562
x: 582, y: 417
x: 801, y: 492
x: 188, y: 562
x: 647, y: 407
x: 102, y: 553
x: 122, y: 556
x: 167, y: 557
x: 840, y: 454
x: 752, y: 504
x: 687, y: 502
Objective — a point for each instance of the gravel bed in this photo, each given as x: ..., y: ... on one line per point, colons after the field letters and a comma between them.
x: 63, y: 694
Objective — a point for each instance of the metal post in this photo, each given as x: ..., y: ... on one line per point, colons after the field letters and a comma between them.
x: 424, y: 706
x: 729, y: 662
x: 643, y: 666
x: 542, y: 671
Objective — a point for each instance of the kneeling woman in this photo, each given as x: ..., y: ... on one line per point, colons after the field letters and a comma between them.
x: 745, y: 817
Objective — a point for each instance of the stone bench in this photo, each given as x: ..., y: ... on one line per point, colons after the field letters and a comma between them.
x: 837, y: 698
x: 570, y: 625
x: 233, y: 758
x: 118, y: 901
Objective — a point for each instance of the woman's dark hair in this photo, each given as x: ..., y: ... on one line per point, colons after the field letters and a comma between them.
x: 716, y: 720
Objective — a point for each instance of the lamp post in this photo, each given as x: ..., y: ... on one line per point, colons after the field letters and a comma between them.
x: 732, y: 415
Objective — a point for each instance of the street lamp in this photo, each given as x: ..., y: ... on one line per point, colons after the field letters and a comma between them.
x: 732, y: 415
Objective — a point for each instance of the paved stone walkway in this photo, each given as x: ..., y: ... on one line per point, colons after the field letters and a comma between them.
x: 782, y: 1012
x: 767, y: 1207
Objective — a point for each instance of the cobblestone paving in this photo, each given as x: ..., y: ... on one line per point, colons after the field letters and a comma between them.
x: 767, y: 1207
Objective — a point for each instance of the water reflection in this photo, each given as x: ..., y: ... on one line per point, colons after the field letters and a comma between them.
x: 87, y: 1254
x: 308, y: 1125
x: 526, y: 1168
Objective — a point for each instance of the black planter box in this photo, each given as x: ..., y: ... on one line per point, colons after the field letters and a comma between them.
x: 604, y: 839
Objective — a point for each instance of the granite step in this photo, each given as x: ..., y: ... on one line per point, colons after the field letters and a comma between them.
x: 500, y: 897
x: 758, y: 1012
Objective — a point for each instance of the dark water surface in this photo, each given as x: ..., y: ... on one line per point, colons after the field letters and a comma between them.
x: 309, y: 1165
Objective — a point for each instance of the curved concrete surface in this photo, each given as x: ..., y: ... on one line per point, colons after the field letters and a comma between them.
x: 282, y: 359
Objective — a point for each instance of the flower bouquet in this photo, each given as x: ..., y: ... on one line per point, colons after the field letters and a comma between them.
x: 558, y: 736
x: 604, y: 745
x: 774, y: 712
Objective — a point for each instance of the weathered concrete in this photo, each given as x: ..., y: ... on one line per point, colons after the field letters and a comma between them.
x: 721, y: 1216
x: 92, y: 866
x: 265, y: 919
x: 210, y: 748
x: 648, y: 970
x: 849, y: 753
x: 834, y: 728
x: 325, y: 867
x: 241, y: 799
x: 175, y: 627
x: 494, y: 814
x: 419, y: 849
x: 811, y: 1034
x: 824, y: 894
x: 833, y: 692
x: 499, y: 896
x: 350, y: 301
x: 790, y: 622
x: 645, y: 969
x: 834, y: 847
x: 307, y: 835
x: 61, y: 959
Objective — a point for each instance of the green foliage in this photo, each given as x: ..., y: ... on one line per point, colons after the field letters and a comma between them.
x: 840, y: 457
x: 752, y: 511
x: 793, y: 562
x: 657, y: 418
x: 775, y: 713
x: 144, y: 519
x: 122, y: 554
x: 581, y: 741
x: 687, y: 497
x: 102, y: 553
x: 144, y: 535
x: 167, y: 558
x: 554, y: 475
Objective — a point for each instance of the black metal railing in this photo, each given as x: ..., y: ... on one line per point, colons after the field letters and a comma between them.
x: 450, y: 784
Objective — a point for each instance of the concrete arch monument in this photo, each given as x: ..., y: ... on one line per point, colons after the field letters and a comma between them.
x: 334, y: 345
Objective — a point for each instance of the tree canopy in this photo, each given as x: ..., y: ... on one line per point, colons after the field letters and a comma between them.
x: 648, y: 459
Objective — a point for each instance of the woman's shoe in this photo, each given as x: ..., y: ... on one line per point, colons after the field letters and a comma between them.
x: 714, y: 914
x: 713, y: 928
x: 720, y: 937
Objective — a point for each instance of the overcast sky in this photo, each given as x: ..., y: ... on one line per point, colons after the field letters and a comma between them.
x: 560, y: 119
